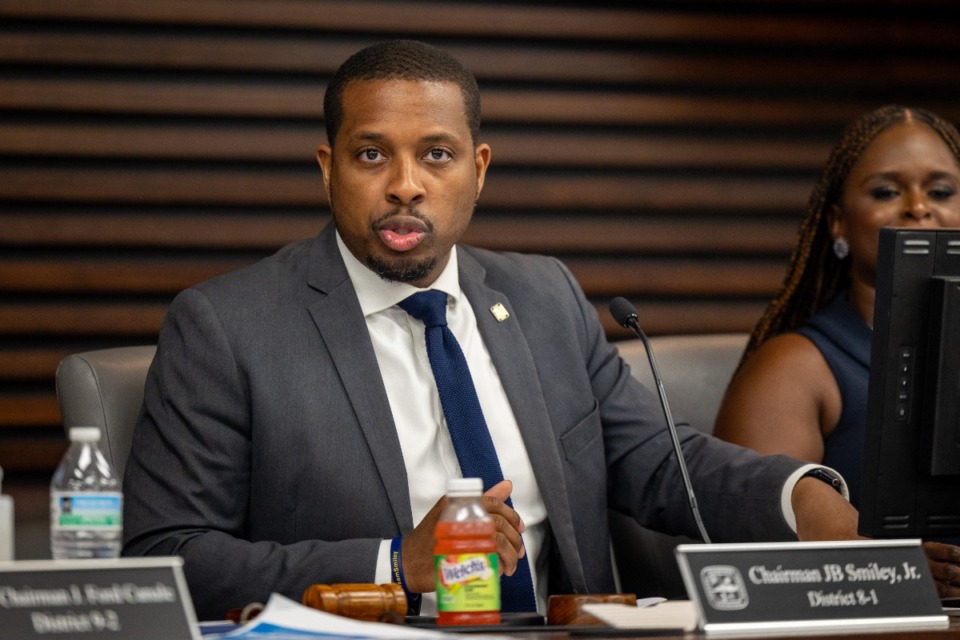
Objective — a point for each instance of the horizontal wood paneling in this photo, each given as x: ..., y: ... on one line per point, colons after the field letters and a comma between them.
x: 520, y: 62
x: 81, y: 319
x: 265, y: 143
x: 30, y: 364
x: 284, y: 101
x: 729, y: 22
x: 610, y: 276
x: 601, y: 232
x: 663, y: 150
x: 27, y: 409
x: 247, y: 186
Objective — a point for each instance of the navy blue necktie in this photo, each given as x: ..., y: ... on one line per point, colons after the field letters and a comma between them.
x: 468, y: 429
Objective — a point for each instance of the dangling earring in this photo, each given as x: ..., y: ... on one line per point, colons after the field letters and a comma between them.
x: 841, y: 248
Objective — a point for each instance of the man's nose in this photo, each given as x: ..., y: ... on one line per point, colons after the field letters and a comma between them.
x: 405, y: 186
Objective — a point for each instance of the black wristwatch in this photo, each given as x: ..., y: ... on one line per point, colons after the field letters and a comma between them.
x: 822, y: 474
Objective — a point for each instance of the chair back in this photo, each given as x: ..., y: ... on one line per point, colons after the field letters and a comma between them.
x: 696, y: 370
x: 104, y: 388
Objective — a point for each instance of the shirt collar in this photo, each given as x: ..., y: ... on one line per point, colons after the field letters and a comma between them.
x: 376, y: 294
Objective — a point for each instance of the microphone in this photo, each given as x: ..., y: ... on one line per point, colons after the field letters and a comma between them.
x: 626, y: 314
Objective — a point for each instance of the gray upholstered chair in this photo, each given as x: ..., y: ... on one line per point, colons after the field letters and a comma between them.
x: 104, y: 388
x: 695, y: 370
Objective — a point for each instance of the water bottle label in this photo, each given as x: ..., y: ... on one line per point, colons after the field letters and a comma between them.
x: 100, y: 511
x: 468, y: 582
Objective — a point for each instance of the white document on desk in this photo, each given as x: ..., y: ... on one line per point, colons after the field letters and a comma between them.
x: 672, y: 614
x: 284, y: 619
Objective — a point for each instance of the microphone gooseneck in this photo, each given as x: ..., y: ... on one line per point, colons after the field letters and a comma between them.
x: 626, y: 314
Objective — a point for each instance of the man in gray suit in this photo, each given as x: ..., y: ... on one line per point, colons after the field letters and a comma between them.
x: 291, y: 429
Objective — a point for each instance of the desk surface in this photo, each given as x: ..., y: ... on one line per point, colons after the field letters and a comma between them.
x: 951, y: 633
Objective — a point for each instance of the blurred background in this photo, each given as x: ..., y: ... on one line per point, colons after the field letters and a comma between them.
x: 663, y: 150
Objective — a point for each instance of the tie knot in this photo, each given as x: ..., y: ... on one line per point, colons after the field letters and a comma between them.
x: 430, y: 307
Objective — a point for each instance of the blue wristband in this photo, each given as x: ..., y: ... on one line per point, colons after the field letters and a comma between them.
x: 396, y: 570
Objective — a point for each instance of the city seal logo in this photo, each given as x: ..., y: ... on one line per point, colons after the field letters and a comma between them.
x: 724, y: 588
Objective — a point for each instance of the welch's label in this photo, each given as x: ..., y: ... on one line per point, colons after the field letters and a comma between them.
x: 468, y: 582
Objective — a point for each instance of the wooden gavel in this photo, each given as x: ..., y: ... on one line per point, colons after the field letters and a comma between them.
x: 568, y: 609
x: 371, y: 602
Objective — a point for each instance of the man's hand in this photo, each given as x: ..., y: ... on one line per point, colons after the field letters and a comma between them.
x: 944, y: 561
x: 417, y: 550
x: 822, y: 513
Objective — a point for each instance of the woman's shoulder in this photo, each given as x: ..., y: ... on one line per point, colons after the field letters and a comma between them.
x: 787, y: 351
x: 782, y: 399
x: 788, y: 368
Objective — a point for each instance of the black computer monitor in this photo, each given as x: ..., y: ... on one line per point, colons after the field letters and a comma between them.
x: 911, y: 473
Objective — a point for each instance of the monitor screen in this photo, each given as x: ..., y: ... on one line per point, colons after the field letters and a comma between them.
x: 911, y: 481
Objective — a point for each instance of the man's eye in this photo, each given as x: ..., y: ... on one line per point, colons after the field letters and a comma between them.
x: 942, y: 193
x: 438, y: 155
x: 883, y: 193
x: 371, y: 155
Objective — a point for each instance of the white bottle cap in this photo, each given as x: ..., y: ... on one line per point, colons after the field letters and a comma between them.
x: 84, y: 434
x: 464, y: 487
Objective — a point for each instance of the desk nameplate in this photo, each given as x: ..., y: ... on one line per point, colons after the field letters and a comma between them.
x: 787, y: 588
x: 121, y: 599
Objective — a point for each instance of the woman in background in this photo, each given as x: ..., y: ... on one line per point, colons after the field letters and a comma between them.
x: 801, y: 388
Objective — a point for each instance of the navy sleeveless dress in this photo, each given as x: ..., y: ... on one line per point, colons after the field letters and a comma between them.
x: 844, y: 339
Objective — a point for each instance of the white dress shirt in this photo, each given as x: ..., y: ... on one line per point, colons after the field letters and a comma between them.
x: 428, y: 453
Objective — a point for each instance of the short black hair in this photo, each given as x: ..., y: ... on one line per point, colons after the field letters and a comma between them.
x: 401, y: 60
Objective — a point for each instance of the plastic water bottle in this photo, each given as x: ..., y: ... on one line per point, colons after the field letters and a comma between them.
x: 86, y: 504
x: 6, y: 523
x: 467, y: 565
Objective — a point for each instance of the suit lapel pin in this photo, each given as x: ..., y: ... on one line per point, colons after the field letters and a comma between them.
x: 499, y: 312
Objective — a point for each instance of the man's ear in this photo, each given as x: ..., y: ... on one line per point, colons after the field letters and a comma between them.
x: 481, y: 158
x: 325, y: 160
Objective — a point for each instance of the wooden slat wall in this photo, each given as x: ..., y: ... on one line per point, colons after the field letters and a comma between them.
x: 663, y: 150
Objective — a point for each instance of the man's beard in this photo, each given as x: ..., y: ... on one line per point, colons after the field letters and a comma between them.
x: 401, y: 269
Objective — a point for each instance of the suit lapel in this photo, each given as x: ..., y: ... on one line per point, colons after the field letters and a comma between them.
x: 339, y: 319
x: 516, y: 367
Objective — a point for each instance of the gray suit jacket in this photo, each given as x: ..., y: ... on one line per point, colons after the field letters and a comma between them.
x: 266, y: 454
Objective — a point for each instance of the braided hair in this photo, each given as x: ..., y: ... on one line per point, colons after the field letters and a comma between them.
x: 814, y: 275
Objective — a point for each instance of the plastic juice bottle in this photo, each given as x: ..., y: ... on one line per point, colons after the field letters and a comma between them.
x: 467, y: 565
